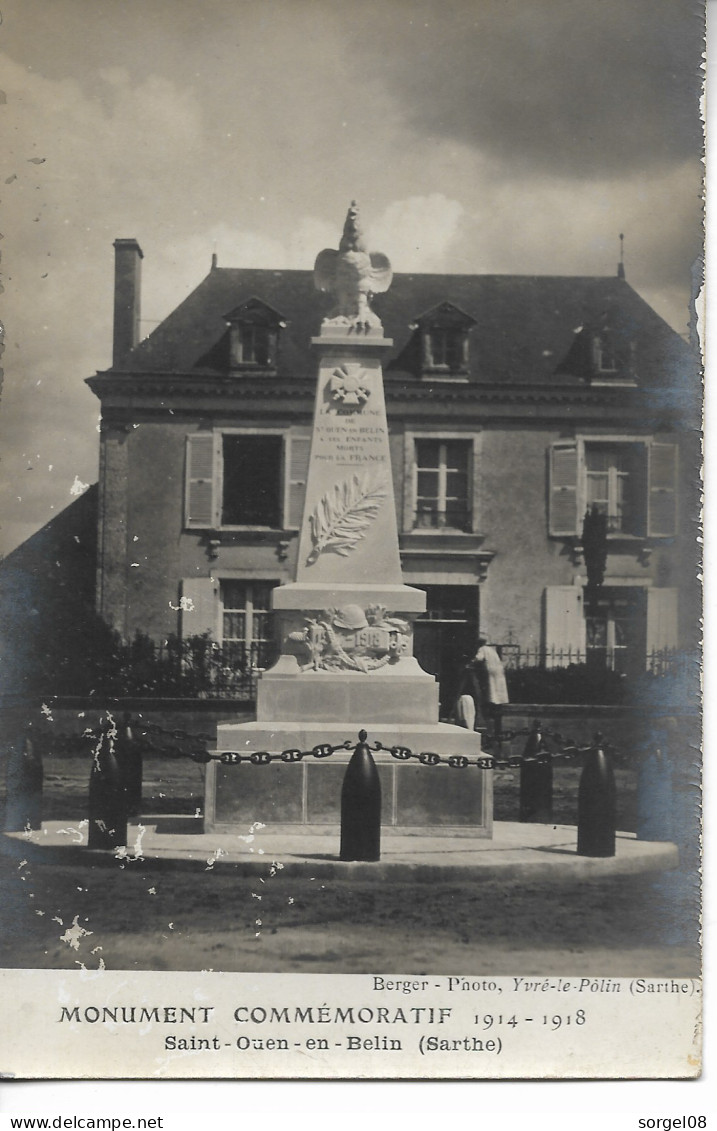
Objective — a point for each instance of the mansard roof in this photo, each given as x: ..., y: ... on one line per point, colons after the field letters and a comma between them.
x: 524, y: 332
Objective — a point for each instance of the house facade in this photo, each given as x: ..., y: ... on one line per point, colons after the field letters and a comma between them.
x: 515, y: 405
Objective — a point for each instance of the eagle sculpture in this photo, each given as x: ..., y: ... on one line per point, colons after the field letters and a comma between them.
x: 353, y: 275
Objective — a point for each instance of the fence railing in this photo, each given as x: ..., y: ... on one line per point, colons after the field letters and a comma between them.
x: 195, y: 668
x: 658, y: 662
x: 200, y: 668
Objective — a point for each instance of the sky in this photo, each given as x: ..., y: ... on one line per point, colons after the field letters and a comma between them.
x: 479, y: 136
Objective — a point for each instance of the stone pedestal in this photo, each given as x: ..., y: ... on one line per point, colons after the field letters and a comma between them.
x: 306, y: 796
x: 345, y: 627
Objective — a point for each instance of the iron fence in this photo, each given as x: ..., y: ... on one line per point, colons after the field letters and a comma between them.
x: 194, y: 668
x: 658, y: 662
x: 200, y: 668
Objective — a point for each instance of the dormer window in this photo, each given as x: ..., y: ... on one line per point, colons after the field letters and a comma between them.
x: 613, y: 359
x: 253, y: 345
x: 447, y: 349
x: 602, y: 353
x: 444, y: 334
x: 254, y: 329
x: 604, y: 358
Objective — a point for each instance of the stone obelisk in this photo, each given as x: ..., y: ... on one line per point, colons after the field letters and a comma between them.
x: 345, y: 624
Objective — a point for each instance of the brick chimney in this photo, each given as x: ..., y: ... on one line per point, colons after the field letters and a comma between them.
x: 128, y: 276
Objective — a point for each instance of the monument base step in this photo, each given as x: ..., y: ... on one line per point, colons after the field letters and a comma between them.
x: 275, y: 736
x: 396, y: 694
x: 297, y: 796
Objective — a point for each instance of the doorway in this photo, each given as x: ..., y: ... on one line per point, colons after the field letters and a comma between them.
x: 445, y: 636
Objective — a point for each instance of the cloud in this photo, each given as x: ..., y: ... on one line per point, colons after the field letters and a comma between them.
x: 478, y: 136
x: 579, y: 89
x: 308, y: 238
x: 171, y: 272
x: 418, y: 232
x: 102, y: 160
x: 543, y: 225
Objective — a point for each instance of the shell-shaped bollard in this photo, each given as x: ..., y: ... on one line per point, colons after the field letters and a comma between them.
x: 597, y: 805
x: 128, y: 752
x: 361, y: 806
x: 25, y: 774
x: 536, y: 780
x: 107, y: 798
x: 655, y: 803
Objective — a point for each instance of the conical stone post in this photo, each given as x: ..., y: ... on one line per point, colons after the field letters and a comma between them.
x: 361, y: 806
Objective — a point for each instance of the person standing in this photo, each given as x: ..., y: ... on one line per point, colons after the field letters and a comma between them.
x: 492, y: 679
x: 468, y: 704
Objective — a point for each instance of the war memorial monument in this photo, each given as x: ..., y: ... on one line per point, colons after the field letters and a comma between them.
x: 345, y: 624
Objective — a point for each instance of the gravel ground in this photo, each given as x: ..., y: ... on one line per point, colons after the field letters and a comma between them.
x: 132, y: 916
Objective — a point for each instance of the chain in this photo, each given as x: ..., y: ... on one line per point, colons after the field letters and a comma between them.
x: 147, y: 734
x: 400, y: 753
x: 489, y: 762
x: 264, y: 757
x: 555, y: 736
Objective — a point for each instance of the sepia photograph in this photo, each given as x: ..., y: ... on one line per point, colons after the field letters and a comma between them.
x: 350, y: 558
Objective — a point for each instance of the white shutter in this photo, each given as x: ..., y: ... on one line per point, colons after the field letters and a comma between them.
x: 661, y: 620
x: 200, y: 490
x: 199, y: 607
x: 563, y: 488
x: 297, y: 472
x: 662, y: 490
x: 564, y: 626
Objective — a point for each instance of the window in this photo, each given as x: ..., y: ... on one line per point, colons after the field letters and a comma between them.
x: 247, y: 478
x: 631, y: 481
x: 253, y: 344
x: 442, y: 498
x: 615, y: 485
x: 444, y: 336
x: 615, y: 629
x: 251, y: 483
x: 236, y: 616
x: 604, y: 357
x: 254, y: 329
x: 603, y: 354
x: 247, y: 633
x: 622, y: 627
x: 446, y: 349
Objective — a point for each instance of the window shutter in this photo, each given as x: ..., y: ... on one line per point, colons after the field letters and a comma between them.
x: 564, y: 626
x: 661, y: 620
x: 662, y: 492
x: 200, y: 493
x: 564, y: 489
x: 299, y: 451
x: 198, y: 607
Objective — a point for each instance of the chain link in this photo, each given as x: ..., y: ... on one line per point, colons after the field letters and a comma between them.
x: 147, y: 735
x: 264, y: 757
x: 484, y: 762
x: 400, y: 753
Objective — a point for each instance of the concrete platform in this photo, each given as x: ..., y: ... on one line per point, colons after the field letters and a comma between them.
x: 516, y: 852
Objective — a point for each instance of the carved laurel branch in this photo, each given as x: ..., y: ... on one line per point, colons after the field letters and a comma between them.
x: 343, y: 514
